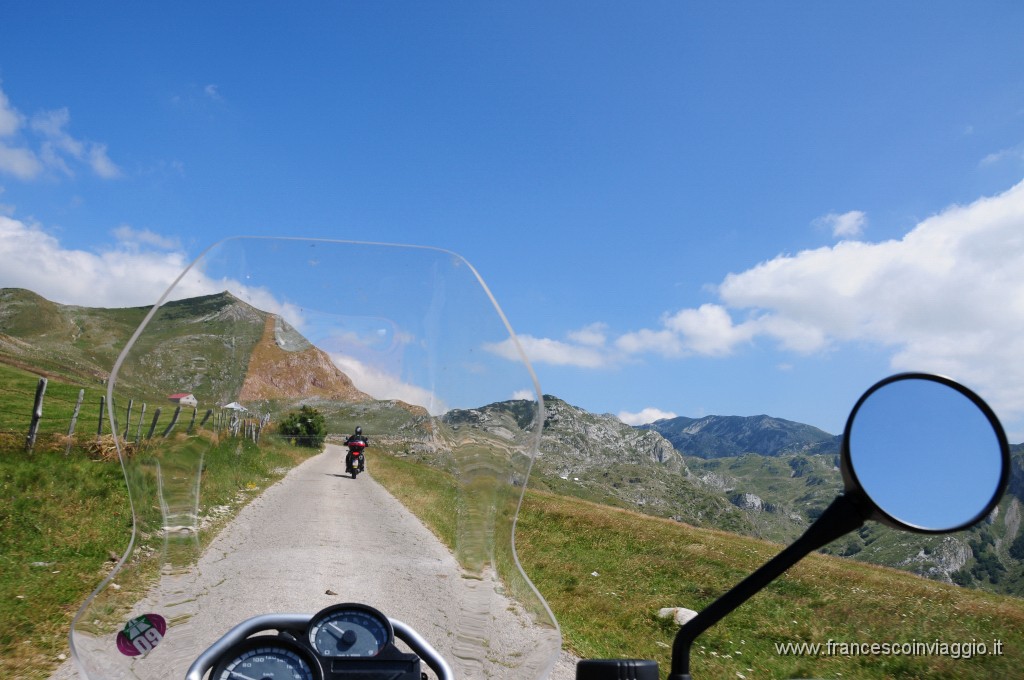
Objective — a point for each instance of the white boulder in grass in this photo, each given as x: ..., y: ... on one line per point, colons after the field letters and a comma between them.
x: 678, y: 614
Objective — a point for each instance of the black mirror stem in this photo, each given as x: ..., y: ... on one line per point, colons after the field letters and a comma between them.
x: 844, y: 515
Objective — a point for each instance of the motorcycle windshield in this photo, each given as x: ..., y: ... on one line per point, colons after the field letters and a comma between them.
x: 230, y: 406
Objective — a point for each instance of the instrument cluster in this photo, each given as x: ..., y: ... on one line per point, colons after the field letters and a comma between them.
x: 337, y: 641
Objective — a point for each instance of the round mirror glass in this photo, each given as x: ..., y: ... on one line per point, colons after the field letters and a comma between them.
x: 928, y: 452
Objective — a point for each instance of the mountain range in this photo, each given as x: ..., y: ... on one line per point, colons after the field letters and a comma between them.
x: 725, y: 436
x: 762, y: 476
x: 775, y: 497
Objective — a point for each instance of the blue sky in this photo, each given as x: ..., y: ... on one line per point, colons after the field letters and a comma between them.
x: 694, y: 208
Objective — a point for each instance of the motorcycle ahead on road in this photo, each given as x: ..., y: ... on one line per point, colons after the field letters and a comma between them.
x: 266, y: 323
x: 356, y: 462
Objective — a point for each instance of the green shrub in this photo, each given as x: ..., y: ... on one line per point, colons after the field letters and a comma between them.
x: 307, y: 427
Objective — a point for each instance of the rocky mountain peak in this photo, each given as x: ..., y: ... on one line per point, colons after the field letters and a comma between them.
x: 725, y: 436
x: 283, y: 365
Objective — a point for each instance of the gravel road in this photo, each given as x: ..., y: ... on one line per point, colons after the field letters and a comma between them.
x: 317, y: 538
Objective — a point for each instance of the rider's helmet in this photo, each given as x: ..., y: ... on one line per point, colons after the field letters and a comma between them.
x: 359, y: 431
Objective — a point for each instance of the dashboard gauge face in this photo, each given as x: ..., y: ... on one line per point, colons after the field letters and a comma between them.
x: 350, y: 630
x: 266, y: 662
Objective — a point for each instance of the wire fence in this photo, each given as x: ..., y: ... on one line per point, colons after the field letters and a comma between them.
x: 59, y: 419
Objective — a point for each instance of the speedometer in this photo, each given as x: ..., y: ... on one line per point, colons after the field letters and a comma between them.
x: 257, y: 659
x: 350, y: 630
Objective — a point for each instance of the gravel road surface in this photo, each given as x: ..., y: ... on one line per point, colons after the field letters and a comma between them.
x: 318, y: 538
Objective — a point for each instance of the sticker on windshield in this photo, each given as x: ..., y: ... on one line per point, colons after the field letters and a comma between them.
x: 141, y: 634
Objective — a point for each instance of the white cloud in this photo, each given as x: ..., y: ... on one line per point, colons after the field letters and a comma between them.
x: 554, y: 352
x: 947, y: 297
x: 846, y: 225
x: 1011, y: 154
x: 57, y: 149
x: 135, y: 238
x: 22, y: 163
x: 135, y: 273
x: 647, y: 415
x: 15, y: 160
x: 59, y: 146
x: 10, y: 119
x: 792, y: 334
x: 527, y: 394
x: 383, y: 385
x: 51, y: 125
x: 100, y: 162
x: 593, y: 335
x: 709, y: 330
x: 119, y: 277
x: 663, y: 342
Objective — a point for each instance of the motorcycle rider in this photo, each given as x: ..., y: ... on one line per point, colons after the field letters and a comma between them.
x: 357, y: 442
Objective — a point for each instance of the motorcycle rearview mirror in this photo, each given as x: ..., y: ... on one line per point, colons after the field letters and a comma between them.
x: 920, y: 452
x: 928, y: 454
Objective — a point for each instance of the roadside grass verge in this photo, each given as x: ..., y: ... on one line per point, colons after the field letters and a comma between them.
x: 427, y: 491
x: 65, y: 521
x: 643, y: 564
x: 59, y: 520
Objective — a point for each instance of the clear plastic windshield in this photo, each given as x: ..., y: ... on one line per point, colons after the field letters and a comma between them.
x: 231, y: 406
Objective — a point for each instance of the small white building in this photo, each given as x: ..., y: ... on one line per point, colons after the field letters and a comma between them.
x: 185, y: 399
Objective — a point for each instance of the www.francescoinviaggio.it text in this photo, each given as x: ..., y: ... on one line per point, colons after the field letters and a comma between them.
x: 953, y: 650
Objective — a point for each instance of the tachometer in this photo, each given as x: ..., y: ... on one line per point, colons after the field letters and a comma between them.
x: 350, y: 630
x: 271, y: 659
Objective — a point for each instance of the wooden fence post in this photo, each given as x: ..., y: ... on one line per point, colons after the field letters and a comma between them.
x: 37, y: 415
x: 209, y: 412
x: 174, y: 421
x: 99, y: 428
x: 74, y: 419
x: 156, y: 417
x: 128, y: 419
x: 138, y: 432
x: 192, y: 423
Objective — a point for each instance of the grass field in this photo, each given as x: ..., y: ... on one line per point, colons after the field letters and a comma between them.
x: 643, y: 564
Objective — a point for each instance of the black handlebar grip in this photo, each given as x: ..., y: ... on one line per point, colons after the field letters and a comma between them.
x: 617, y: 669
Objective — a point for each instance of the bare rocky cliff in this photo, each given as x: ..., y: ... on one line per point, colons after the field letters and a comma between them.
x: 280, y: 367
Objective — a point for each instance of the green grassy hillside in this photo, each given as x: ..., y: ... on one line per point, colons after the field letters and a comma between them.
x: 790, y: 491
x: 79, y: 344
